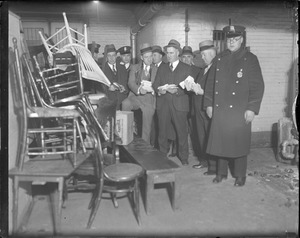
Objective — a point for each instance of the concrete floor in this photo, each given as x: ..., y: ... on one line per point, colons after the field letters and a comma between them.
x: 265, y: 206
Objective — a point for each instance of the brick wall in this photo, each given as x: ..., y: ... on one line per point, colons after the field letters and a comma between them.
x: 269, y: 36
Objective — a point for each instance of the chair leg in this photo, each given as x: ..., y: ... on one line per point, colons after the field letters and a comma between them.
x: 137, y: 200
x: 96, y: 203
x: 114, y: 199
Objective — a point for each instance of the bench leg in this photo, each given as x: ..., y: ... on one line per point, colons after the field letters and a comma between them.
x: 15, y: 203
x: 149, y: 193
x: 174, y: 196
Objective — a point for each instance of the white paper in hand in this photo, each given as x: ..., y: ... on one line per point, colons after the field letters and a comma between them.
x: 197, y: 89
x: 187, y: 83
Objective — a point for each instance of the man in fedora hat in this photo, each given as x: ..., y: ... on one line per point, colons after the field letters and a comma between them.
x: 187, y: 57
x: 172, y: 101
x: 158, y: 54
x: 141, y: 94
x: 125, y: 55
x: 233, y: 95
x: 116, y: 73
x: 208, y: 52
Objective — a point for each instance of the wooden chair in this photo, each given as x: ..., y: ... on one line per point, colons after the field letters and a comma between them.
x: 89, y: 68
x: 56, y: 128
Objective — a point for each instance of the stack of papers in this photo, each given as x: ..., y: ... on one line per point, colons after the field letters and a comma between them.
x: 190, y: 85
x: 147, y: 86
x: 167, y: 86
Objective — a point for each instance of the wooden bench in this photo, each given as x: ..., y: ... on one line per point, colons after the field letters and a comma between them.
x: 159, y: 169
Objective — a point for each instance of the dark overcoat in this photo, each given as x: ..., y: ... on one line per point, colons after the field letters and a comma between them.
x: 234, y: 85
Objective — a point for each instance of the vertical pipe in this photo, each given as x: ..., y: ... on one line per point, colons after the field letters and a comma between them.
x: 186, y: 27
x: 133, y: 47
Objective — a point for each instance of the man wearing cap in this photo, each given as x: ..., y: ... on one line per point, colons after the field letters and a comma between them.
x: 208, y: 52
x: 125, y: 55
x: 116, y: 73
x: 172, y: 101
x: 141, y: 94
x: 233, y: 95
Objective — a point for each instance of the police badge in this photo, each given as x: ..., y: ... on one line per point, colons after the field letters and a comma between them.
x: 240, y: 73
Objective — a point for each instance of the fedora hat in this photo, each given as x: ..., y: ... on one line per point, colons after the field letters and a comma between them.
x: 158, y: 49
x: 233, y: 31
x: 146, y: 47
x: 187, y: 50
x: 173, y: 43
x: 110, y: 48
x: 96, y: 47
x: 207, y: 44
x: 124, y: 50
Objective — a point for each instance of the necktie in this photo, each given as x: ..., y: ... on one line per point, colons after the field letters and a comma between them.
x: 171, y: 67
x: 114, y: 69
x: 147, y: 70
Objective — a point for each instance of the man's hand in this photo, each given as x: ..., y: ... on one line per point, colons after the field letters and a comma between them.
x: 112, y: 87
x: 172, y: 90
x: 209, y: 111
x: 249, y: 116
x: 142, y: 91
x: 197, y: 89
x: 161, y: 91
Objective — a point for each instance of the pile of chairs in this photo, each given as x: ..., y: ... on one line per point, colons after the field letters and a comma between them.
x: 58, y: 121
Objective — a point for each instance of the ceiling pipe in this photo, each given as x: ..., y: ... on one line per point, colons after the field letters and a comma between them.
x: 142, y: 22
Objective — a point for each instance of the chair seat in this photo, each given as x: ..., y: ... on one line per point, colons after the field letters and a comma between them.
x: 52, y: 112
x: 94, y: 98
x: 122, y: 172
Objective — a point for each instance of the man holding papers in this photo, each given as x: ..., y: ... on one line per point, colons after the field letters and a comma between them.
x: 172, y: 102
x: 141, y: 94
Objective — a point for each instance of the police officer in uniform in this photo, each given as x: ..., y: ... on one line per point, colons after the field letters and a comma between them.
x: 233, y: 96
x: 125, y: 55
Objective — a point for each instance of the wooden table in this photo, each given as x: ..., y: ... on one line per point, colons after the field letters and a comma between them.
x: 43, y: 171
x: 159, y: 169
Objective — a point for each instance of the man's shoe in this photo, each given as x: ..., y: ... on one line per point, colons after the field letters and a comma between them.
x: 209, y: 173
x: 219, y: 178
x: 185, y: 163
x: 199, y: 166
x: 172, y: 155
x: 240, y: 181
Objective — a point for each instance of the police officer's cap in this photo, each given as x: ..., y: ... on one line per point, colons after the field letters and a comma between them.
x: 233, y: 31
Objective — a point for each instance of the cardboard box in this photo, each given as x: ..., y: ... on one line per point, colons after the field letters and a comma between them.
x: 124, y: 126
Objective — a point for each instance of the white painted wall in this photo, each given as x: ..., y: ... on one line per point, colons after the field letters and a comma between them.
x: 269, y: 36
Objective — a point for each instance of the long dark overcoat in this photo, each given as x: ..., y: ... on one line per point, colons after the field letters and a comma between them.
x: 234, y: 85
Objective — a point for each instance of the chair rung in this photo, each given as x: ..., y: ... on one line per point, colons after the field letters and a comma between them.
x: 49, y: 130
x: 51, y: 153
x: 58, y: 90
x: 61, y: 74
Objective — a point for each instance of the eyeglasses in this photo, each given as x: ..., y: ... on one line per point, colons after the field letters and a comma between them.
x: 234, y: 39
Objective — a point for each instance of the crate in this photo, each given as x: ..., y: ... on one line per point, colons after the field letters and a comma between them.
x: 124, y: 126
